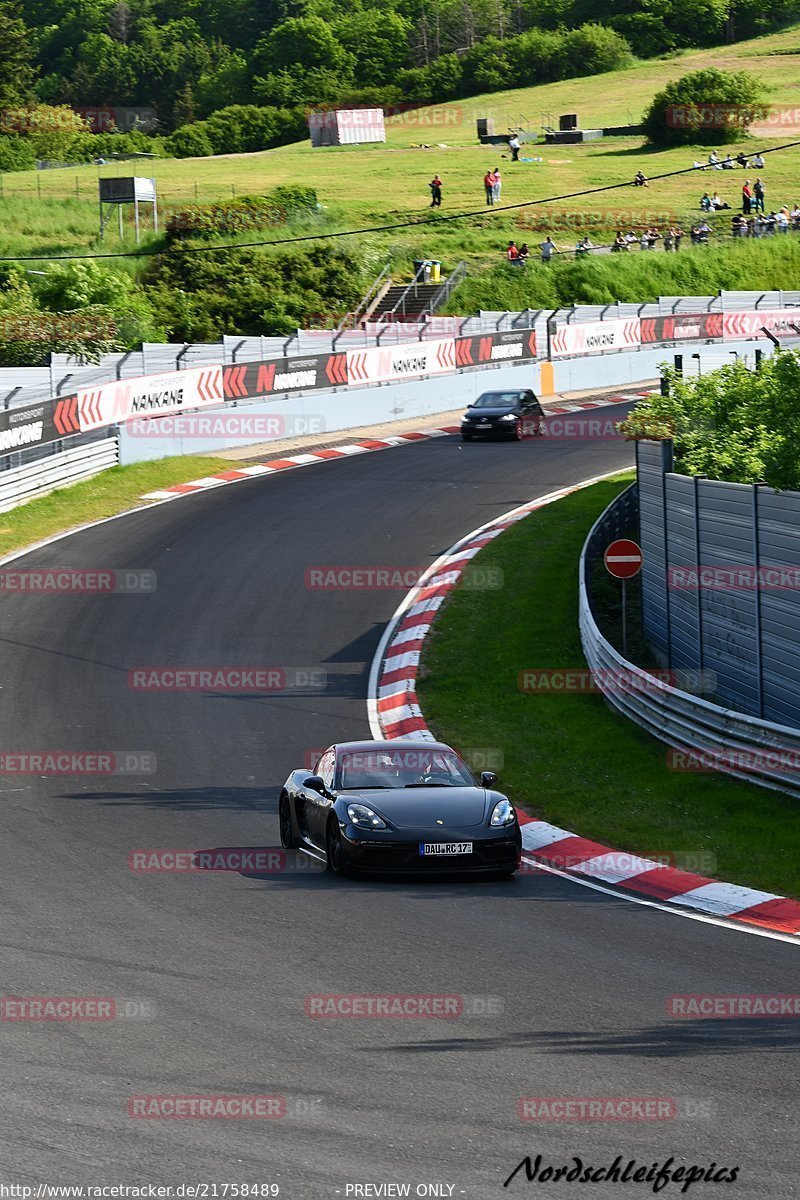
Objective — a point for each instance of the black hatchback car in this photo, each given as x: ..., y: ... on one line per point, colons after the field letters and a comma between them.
x: 503, y: 414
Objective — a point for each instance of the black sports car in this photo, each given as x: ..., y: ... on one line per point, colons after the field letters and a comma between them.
x: 503, y: 414
x: 400, y: 806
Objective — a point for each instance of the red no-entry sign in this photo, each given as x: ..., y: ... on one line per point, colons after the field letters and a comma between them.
x: 623, y: 559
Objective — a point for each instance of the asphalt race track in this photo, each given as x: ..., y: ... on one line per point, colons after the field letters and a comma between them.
x: 222, y: 962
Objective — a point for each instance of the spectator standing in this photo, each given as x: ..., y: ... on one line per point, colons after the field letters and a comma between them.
x: 758, y: 194
x: 436, y: 192
x: 644, y: 240
x: 795, y: 215
x: 523, y: 254
x: 620, y: 242
x: 583, y: 247
x: 512, y: 253
x: 513, y: 145
x: 747, y: 198
x: 668, y: 239
x: 497, y: 186
x: 488, y: 183
x: 548, y: 249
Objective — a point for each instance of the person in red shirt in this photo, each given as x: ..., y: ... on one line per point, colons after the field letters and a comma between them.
x: 747, y: 197
x: 512, y: 253
x: 488, y: 183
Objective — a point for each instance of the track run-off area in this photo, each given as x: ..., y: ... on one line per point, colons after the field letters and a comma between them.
x: 565, y: 988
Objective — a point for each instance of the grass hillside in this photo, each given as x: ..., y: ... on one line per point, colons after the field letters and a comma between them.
x: 52, y: 212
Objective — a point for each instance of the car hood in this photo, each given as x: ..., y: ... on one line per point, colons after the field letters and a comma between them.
x: 415, y: 808
x: 488, y: 412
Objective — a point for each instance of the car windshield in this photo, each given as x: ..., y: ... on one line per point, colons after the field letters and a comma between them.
x: 398, y: 767
x: 499, y: 400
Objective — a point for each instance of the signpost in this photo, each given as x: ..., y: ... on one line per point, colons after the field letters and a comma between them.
x: 623, y: 560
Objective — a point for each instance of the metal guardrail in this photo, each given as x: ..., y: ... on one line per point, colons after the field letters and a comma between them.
x: 685, y: 722
x: 24, y: 483
x: 65, y: 375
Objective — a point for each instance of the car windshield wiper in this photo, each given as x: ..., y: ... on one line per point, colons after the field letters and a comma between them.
x: 408, y: 785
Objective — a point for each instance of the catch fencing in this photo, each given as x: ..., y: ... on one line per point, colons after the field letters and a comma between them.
x: 704, y: 735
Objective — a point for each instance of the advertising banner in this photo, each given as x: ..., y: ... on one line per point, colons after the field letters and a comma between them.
x: 22, y: 428
x: 683, y: 327
x: 384, y: 363
x: 277, y: 376
x: 508, y: 346
x: 595, y: 337
x: 149, y: 396
x: 780, y: 322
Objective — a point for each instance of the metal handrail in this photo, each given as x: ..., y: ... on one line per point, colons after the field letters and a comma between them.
x: 352, y: 318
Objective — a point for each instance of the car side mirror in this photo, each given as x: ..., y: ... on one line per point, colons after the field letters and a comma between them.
x: 315, y: 783
x: 488, y: 779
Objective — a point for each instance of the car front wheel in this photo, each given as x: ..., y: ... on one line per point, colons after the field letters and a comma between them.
x: 334, y: 849
x: 466, y: 437
x: 288, y: 839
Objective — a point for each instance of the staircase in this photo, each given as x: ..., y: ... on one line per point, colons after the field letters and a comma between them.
x: 404, y: 302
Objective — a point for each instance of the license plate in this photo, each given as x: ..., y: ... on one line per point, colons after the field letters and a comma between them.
x: 445, y: 849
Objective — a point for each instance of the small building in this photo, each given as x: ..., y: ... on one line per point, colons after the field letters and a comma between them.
x: 346, y: 127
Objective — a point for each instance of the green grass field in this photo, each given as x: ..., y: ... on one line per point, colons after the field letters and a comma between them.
x: 111, y: 492
x: 568, y: 757
x: 381, y: 183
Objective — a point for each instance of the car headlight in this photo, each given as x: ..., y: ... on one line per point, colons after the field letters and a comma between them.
x: 509, y: 417
x: 364, y: 817
x: 503, y: 813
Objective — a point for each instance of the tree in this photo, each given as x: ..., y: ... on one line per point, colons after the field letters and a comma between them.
x: 709, y: 106
x: 183, y: 109
x: 307, y: 42
x: 378, y: 42
x: 16, y: 54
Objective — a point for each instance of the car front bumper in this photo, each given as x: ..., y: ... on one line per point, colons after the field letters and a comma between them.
x: 401, y: 855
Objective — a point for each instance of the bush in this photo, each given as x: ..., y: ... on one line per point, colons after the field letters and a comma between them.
x: 732, y: 424
x: 708, y: 107
x: 190, y: 141
x: 593, y: 49
x: 16, y: 154
x: 230, y: 217
x: 276, y: 291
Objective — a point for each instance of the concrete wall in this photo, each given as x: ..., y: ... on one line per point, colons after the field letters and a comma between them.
x: 348, y: 408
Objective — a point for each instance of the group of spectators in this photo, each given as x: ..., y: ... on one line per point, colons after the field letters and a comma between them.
x: 729, y: 163
x: 493, y: 185
x: 765, y: 224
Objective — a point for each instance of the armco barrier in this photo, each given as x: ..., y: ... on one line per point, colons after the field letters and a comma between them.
x: 685, y: 722
x: 38, y: 478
